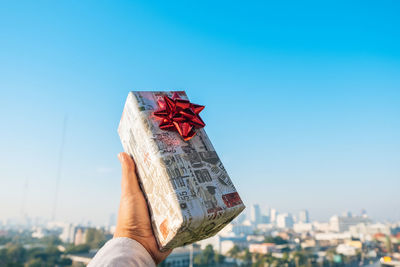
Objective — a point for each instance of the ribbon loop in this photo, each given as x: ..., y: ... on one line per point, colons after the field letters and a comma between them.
x: 180, y: 115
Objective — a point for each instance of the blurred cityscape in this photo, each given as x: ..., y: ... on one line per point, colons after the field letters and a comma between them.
x: 262, y: 238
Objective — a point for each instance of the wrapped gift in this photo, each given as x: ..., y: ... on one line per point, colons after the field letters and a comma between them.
x: 189, y: 193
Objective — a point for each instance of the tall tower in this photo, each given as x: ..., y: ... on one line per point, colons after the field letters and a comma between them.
x: 24, y: 198
x: 59, y: 168
x: 303, y: 216
x: 255, y: 214
x: 274, y: 215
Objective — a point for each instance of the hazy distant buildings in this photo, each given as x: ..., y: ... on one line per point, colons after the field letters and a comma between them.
x: 303, y: 216
x: 40, y: 232
x: 301, y: 227
x: 366, y: 231
x: 262, y: 248
x: 321, y: 226
x: 241, y: 229
x: 255, y: 214
x: 343, y: 223
x: 73, y: 234
x: 233, y: 234
x: 273, y: 215
x: 181, y: 256
x: 68, y: 233
x: 265, y: 219
x: 80, y: 236
x: 111, y: 220
x: 364, y: 213
x: 284, y: 220
x: 332, y: 237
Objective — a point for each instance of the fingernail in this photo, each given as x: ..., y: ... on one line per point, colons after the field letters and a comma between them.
x: 120, y: 157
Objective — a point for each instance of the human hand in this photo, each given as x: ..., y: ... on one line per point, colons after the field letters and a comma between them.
x: 133, y: 216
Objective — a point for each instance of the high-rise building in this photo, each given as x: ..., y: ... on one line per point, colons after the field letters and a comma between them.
x: 284, y: 220
x: 80, y: 236
x: 364, y: 213
x: 68, y: 234
x: 343, y: 223
x: 255, y: 214
x: 273, y: 215
x: 265, y: 219
x: 303, y: 216
x: 111, y: 220
x: 268, y: 212
x: 347, y: 214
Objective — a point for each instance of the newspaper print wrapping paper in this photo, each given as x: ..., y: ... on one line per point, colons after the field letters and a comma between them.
x: 189, y: 193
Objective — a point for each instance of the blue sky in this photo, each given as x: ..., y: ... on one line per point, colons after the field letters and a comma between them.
x: 302, y: 99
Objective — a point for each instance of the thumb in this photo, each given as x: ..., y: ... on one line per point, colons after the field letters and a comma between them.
x: 129, y: 183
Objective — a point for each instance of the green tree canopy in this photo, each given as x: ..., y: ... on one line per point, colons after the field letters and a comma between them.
x: 276, y: 240
x: 95, y: 238
x: 206, y: 257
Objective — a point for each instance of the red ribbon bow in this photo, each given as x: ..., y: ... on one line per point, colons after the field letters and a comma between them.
x: 180, y: 115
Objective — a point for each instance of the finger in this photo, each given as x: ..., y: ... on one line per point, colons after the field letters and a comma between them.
x: 129, y: 182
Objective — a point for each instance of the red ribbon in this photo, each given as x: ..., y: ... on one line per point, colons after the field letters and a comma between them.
x: 180, y: 115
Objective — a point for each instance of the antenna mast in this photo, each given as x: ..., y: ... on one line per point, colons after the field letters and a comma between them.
x: 59, y: 168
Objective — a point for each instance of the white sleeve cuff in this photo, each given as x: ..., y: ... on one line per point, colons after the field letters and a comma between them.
x: 122, y: 251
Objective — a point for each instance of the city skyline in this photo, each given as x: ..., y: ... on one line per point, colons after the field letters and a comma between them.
x: 354, y: 240
x: 259, y: 217
x: 302, y: 100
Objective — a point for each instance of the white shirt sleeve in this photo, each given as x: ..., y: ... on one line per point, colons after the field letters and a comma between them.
x: 122, y: 251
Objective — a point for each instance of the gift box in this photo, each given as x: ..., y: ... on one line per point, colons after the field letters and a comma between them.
x: 189, y: 193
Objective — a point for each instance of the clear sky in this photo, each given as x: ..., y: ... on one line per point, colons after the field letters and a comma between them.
x: 302, y: 98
